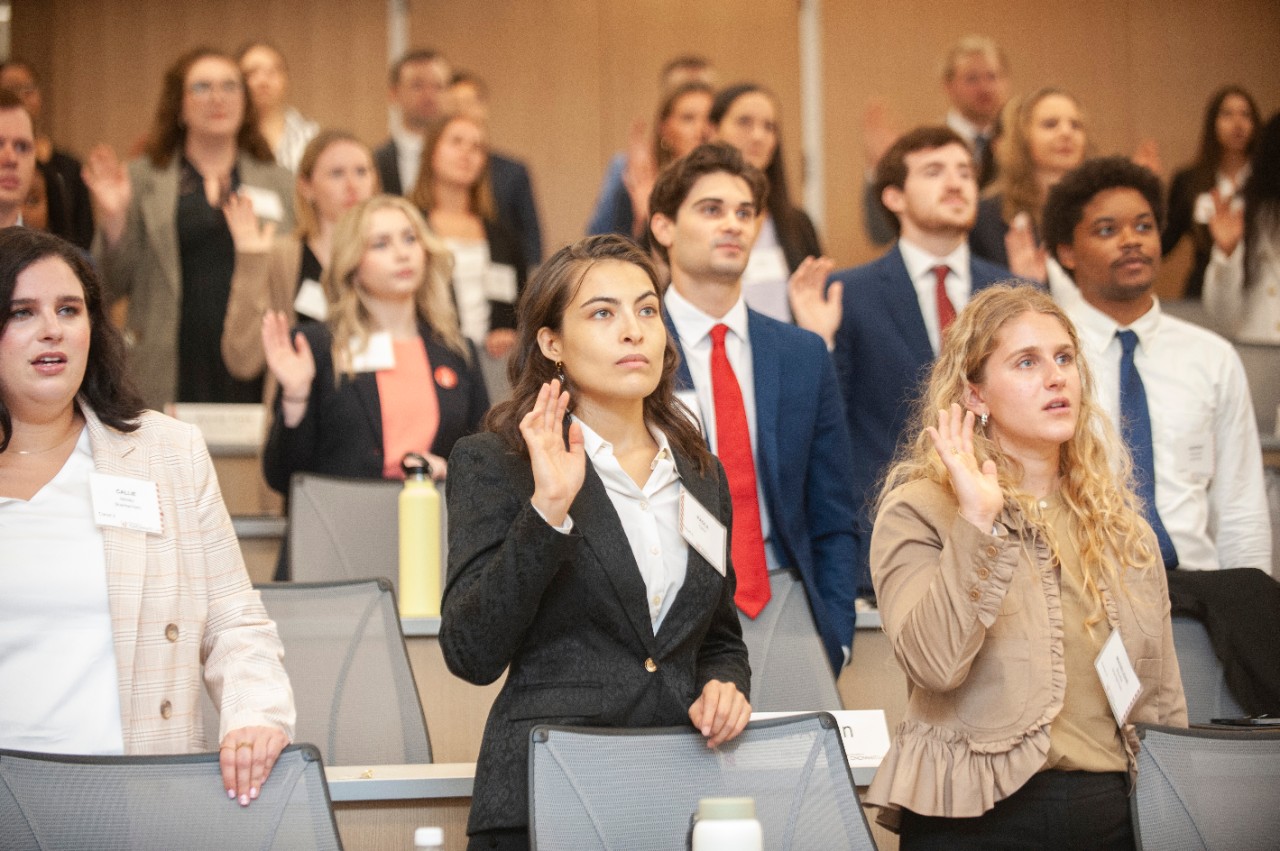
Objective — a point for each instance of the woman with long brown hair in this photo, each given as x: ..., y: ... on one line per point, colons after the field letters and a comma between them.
x: 163, y: 242
x: 568, y: 568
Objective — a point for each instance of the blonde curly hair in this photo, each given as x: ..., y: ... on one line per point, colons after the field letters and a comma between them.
x: 1107, y: 526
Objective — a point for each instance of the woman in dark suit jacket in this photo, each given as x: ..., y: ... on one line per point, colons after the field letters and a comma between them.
x: 388, y: 372
x: 566, y: 560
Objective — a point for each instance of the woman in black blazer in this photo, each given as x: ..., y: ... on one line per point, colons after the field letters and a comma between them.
x: 388, y: 372
x: 585, y: 470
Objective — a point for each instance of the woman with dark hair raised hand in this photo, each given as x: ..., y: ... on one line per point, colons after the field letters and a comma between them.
x: 569, y: 566
x: 162, y: 239
x: 122, y: 590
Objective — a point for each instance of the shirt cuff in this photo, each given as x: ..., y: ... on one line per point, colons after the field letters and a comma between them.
x: 564, y: 528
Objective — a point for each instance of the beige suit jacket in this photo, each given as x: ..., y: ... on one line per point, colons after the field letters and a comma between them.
x: 181, y: 602
x: 261, y: 282
x: 144, y: 266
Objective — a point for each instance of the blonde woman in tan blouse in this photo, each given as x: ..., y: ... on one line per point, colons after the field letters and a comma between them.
x: 1008, y: 547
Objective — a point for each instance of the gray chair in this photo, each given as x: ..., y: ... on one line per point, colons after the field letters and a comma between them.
x: 789, y: 669
x: 1207, y: 789
x: 1203, y: 680
x: 347, y: 661
x: 341, y: 529
x: 124, y: 803
x: 584, y: 782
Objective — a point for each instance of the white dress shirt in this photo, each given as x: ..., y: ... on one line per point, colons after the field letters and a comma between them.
x: 408, y: 158
x: 1253, y: 316
x: 1209, y: 480
x: 920, y: 265
x: 298, y: 131
x: 650, y: 516
x: 694, y: 329
x: 59, y: 686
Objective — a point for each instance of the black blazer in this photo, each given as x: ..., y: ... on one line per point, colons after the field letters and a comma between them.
x: 385, y: 160
x: 986, y: 240
x: 341, y: 433
x: 1183, y: 192
x: 568, y: 614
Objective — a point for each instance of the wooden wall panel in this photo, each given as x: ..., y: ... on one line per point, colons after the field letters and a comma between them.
x: 569, y: 76
x: 104, y: 59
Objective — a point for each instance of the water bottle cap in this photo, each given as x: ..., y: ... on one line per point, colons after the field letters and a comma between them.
x: 415, y: 466
x: 426, y: 837
x: 720, y: 809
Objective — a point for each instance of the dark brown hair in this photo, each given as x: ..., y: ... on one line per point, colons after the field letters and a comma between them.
x: 674, y: 183
x: 892, y: 168
x: 543, y: 305
x: 418, y: 54
x: 169, y: 133
x: 1209, y: 155
x: 480, y: 198
x: 107, y: 387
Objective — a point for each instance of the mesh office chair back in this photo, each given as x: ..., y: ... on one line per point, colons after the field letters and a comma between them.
x: 347, y: 661
x: 342, y: 529
x: 1207, y: 789
x: 600, y: 788
x: 125, y: 803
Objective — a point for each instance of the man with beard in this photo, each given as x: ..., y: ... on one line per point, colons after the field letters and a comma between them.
x: 897, y: 308
x: 1177, y: 392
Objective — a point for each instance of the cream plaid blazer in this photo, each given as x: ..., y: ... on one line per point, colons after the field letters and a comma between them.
x: 181, y: 602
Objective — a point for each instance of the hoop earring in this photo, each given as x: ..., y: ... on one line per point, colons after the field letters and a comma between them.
x: 985, y: 417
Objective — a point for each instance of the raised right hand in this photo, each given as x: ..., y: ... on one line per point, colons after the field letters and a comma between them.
x: 977, y: 489
x: 1227, y: 225
x: 294, y: 368
x: 109, y: 190
x: 249, y: 236
x: 557, y: 472
x: 1026, y: 259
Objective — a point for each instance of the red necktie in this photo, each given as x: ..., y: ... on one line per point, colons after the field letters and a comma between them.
x: 733, y: 445
x: 946, y: 311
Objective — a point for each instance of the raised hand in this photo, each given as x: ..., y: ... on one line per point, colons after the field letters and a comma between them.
x: 1026, y: 259
x: 249, y: 236
x: 557, y: 471
x: 639, y: 175
x: 977, y: 489
x: 1227, y: 224
x: 109, y: 191
x: 880, y: 129
x: 294, y: 368
x: 817, y: 308
x: 1147, y: 155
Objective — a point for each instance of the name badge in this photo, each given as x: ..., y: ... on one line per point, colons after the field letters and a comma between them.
x: 702, y: 531
x: 500, y: 283
x: 1119, y: 680
x: 125, y: 503
x: 1195, y: 455
x: 377, y: 355
x: 311, y: 300
x: 266, y: 202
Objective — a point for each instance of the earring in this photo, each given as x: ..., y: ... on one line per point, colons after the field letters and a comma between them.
x: 985, y: 417
x: 560, y: 373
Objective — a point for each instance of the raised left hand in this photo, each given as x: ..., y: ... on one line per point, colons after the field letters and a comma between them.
x: 246, y: 757
x: 817, y: 307
x: 720, y: 713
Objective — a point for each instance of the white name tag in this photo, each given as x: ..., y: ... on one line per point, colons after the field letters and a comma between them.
x: 865, y: 735
x: 266, y: 202
x: 125, y: 503
x: 703, y: 531
x: 311, y: 300
x: 379, y: 354
x: 500, y: 283
x: 1119, y: 680
x: 1195, y: 455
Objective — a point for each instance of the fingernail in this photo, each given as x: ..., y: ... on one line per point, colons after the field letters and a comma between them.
x: 231, y: 794
x: 253, y: 792
x: 244, y: 800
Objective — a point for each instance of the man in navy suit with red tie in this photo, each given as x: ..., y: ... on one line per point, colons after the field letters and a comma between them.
x: 766, y: 395
x: 896, y: 308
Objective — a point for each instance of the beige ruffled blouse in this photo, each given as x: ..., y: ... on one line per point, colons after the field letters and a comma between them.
x: 975, y: 620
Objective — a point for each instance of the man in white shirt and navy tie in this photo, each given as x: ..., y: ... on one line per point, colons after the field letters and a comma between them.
x: 1176, y: 392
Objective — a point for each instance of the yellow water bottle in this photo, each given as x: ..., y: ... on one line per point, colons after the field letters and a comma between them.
x: 419, y: 540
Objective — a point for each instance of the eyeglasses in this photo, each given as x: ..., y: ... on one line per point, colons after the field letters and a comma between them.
x: 205, y: 88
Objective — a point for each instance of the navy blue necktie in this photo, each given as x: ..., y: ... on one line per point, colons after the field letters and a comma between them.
x: 1135, y: 425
